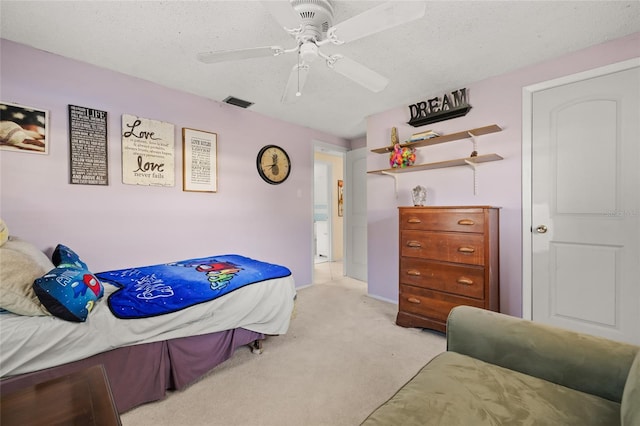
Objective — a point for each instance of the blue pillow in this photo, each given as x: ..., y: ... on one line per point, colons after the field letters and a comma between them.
x: 68, y: 292
x: 64, y: 256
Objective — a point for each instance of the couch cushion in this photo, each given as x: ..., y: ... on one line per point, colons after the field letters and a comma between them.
x: 630, y: 407
x: 457, y: 390
x: 586, y: 363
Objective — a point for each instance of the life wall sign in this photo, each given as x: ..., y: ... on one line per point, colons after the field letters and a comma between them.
x: 450, y: 105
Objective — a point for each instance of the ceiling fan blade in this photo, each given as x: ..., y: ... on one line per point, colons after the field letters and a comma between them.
x: 380, y: 18
x: 283, y: 13
x: 357, y: 72
x: 235, y: 55
x: 295, y: 84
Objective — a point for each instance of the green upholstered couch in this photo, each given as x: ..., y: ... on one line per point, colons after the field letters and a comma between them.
x: 502, y: 370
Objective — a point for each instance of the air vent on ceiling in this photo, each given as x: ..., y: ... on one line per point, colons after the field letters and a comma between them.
x: 237, y: 102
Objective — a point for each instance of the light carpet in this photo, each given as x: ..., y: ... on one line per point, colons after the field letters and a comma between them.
x: 342, y: 357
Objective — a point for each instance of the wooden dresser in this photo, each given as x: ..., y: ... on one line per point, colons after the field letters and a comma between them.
x: 449, y: 256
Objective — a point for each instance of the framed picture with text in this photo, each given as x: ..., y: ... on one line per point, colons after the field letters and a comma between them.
x: 24, y: 128
x: 148, y: 151
x: 88, y: 146
x: 199, y: 161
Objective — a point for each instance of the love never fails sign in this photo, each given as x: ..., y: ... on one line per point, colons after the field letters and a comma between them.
x: 148, y: 152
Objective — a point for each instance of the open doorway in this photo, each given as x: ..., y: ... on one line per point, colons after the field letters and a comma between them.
x: 328, y: 210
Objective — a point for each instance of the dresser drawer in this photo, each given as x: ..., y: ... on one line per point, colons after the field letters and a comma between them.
x: 445, y: 246
x: 442, y: 220
x: 461, y: 280
x: 432, y: 304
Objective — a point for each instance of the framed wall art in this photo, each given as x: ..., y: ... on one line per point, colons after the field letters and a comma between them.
x: 199, y: 161
x: 340, y: 198
x: 147, y: 152
x: 24, y: 128
x: 88, y: 146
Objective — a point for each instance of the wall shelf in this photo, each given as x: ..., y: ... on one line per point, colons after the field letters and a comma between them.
x: 440, y: 165
x: 444, y: 138
x: 471, y: 161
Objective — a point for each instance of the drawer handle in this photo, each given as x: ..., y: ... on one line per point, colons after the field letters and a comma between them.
x: 466, y: 249
x: 466, y: 222
x: 465, y: 281
x: 414, y: 220
x: 413, y: 300
x: 414, y: 244
x: 413, y: 272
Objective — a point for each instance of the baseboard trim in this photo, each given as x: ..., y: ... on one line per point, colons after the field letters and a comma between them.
x: 383, y: 299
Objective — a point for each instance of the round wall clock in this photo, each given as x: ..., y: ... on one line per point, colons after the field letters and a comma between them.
x: 273, y: 164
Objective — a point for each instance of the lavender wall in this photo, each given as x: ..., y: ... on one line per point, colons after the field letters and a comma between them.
x: 496, y: 100
x: 121, y: 225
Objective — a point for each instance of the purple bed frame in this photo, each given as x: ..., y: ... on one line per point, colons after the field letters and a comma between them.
x: 143, y: 373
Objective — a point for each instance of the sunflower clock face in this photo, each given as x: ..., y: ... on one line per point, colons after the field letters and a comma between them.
x: 273, y: 164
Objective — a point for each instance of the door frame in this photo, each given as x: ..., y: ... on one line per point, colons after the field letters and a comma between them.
x: 336, y: 151
x: 527, y: 166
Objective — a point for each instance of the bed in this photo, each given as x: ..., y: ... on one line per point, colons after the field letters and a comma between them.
x: 143, y: 357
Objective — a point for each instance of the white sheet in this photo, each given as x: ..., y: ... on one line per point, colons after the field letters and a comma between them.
x: 33, y: 343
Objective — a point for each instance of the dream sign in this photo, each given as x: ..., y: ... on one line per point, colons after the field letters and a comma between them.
x: 445, y: 107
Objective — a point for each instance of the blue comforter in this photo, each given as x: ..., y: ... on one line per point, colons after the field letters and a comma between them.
x: 160, y: 289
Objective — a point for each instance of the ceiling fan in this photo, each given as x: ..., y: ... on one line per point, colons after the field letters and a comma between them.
x: 310, y: 23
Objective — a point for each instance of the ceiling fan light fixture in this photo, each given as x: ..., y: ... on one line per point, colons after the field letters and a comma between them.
x: 310, y: 22
x: 308, y: 51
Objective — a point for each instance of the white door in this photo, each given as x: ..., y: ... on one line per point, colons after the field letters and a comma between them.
x: 355, y: 201
x: 585, y: 205
x: 322, y: 209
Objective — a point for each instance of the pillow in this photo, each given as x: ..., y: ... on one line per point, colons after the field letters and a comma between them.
x: 629, y: 407
x: 31, y: 251
x: 4, y: 232
x: 68, y: 293
x: 17, y: 272
x: 64, y: 256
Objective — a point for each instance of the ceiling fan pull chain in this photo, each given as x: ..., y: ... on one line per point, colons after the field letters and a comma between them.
x: 298, y: 94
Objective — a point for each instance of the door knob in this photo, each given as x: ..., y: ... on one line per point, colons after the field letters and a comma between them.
x: 541, y: 229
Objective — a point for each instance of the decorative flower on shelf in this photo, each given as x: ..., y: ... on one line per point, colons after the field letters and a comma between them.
x: 402, y: 156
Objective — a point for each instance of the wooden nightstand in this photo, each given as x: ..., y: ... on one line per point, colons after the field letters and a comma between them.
x: 81, y: 398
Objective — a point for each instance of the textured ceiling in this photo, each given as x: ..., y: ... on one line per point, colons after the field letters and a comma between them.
x: 455, y: 44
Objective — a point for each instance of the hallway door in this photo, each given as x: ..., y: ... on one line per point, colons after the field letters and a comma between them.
x: 356, y: 214
x: 586, y: 205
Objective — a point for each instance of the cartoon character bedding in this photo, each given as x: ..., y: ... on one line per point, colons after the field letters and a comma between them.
x: 160, y: 289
